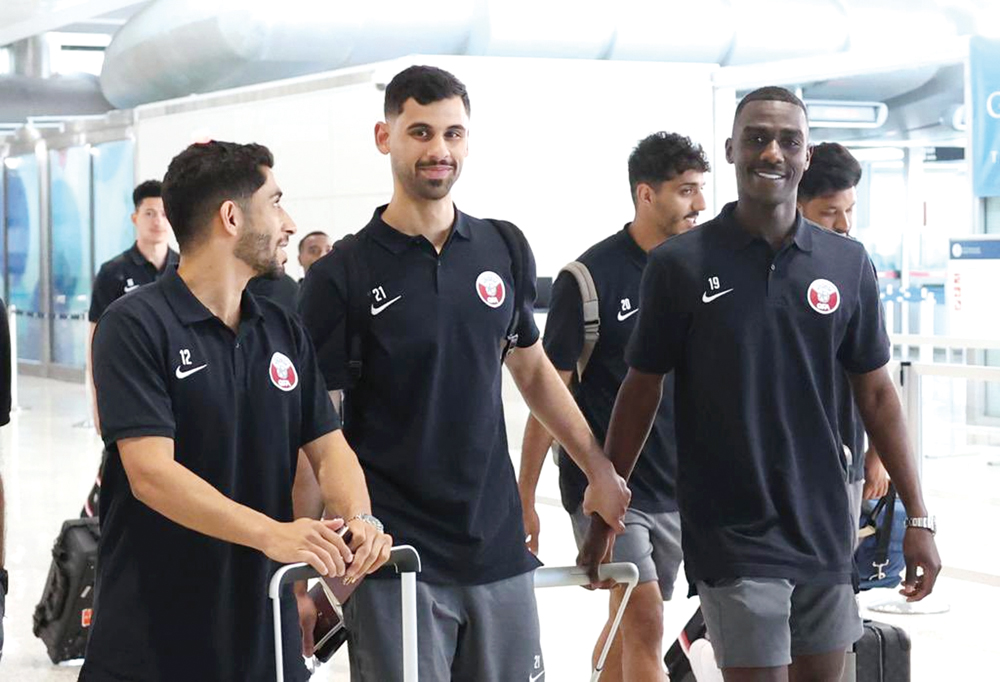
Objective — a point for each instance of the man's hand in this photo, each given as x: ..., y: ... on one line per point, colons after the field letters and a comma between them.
x: 314, y: 542
x: 608, y: 496
x: 876, y: 477
x: 307, y: 617
x: 371, y: 550
x: 532, y: 527
x: 596, y: 550
x: 920, y: 552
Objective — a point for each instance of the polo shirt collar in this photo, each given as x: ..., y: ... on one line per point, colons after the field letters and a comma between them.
x: 173, y: 258
x: 737, y: 238
x: 633, y: 249
x: 190, y: 310
x: 397, y: 242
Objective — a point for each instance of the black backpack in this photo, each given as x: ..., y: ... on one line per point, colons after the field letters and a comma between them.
x: 359, y: 280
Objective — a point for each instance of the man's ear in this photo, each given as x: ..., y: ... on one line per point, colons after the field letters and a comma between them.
x: 729, y: 150
x: 231, y: 216
x: 382, y: 136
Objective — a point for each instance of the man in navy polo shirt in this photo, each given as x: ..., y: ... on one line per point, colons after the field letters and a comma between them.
x: 757, y: 312
x: 666, y: 177
x: 206, y: 395
x: 827, y: 196
x: 426, y: 416
x: 144, y: 262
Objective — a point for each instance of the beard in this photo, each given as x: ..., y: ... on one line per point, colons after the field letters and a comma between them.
x: 429, y: 189
x: 255, y: 249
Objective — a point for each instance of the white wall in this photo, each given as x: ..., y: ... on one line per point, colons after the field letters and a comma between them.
x: 549, y: 142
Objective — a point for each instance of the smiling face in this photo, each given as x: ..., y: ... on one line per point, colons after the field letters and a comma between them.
x: 674, y: 206
x: 427, y: 145
x: 265, y: 230
x: 769, y: 148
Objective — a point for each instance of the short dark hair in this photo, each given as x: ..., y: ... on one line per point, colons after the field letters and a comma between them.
x: 314, y: 233
x: 426, y: 84
x: 206, y: 174
x: 663, y: 156
x: 831, y: 169
x: 150, y: 189
x: 771, y: 93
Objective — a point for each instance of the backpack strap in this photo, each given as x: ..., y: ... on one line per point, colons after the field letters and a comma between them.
x: 358, y: 319
x: 516, y: 245
x: 884, y: 532
x: 591, y: 312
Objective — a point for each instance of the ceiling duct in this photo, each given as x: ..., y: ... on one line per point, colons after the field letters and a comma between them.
x: 174, y: 48
x: 29, y: 92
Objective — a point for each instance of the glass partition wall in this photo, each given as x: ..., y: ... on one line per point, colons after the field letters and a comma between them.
x: 65, y: 207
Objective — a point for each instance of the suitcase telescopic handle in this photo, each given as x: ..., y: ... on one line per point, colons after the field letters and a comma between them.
x: 403, y: 558
x: 565, y: 576
x: 406, y: 561
x: 624, y: 573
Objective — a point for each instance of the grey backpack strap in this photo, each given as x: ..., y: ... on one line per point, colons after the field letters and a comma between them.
x: 591, y: 312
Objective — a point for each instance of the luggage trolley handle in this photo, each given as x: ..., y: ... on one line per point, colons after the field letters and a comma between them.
x: 624, y: 573
x: 403, y: 558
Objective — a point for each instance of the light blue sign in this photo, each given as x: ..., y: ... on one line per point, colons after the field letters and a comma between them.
x: 984, y: 69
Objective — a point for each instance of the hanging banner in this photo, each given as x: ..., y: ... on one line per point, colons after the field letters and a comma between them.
x: 984, y: 70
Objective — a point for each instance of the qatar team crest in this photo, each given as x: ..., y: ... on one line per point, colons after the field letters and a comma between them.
x: 491, y: 289
x: 823, y: 296
x: 282, y: 372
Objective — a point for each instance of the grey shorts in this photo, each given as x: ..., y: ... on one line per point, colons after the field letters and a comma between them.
x: 766, y: 622
x: 465, y: 633
x: 651, y: 541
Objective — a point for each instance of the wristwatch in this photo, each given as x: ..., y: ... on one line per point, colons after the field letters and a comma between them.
x: 925, y: 522
x: 369, y: 519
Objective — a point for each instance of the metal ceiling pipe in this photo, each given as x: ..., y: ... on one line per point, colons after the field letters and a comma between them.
x: 31, y: 57
x: 22, y: 97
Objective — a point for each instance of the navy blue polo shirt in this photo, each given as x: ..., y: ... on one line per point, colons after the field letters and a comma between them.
x: 283, y: 290
x: 426, y: 417
x: 616, y: 265
x: 757, y: 340
x: 170, y: 603
x: 123, y: 274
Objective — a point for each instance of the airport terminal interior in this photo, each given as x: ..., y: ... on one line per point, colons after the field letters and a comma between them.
x: 97, y: 96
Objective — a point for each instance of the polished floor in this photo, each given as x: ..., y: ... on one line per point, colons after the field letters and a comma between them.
x: 47, y: 465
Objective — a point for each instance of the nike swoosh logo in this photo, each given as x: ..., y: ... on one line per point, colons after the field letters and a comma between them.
x: 624, y: 316
x: 533, y: 678
x: 705, y: 298
x: 131, y: 288
x: 377, y: 309
x: 184, y: 374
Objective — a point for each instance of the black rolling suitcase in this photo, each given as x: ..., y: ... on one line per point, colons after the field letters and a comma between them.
x: 881, y: 655
x: 62, y: 618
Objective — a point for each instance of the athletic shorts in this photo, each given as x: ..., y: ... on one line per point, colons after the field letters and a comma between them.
x: 766, y: 622
x: 466, y: 633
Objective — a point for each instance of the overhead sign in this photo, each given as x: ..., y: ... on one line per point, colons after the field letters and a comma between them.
x: 984, y: 70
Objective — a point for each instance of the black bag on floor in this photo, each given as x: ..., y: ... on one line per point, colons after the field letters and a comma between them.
x: 881, y: 655
x: 62, y: 617
x: 676, y: 658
